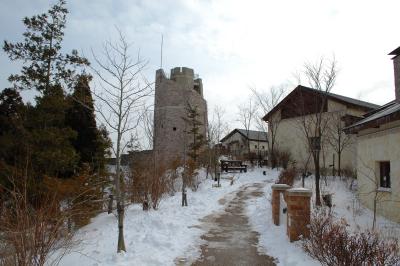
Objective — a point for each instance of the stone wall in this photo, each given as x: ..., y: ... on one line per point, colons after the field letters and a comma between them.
x: 172, y: 95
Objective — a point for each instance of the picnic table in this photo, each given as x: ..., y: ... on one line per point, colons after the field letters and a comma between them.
x: 229, y: 165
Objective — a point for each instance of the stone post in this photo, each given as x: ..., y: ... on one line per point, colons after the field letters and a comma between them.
x: 277, y: 189
x: 298, y: 202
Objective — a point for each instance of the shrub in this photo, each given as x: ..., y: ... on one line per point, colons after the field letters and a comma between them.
x: 349, y: 172
x: 287, y: 176
x: 282, y: 158
x: 332, y: 244
x: 147, y: 184
x: 34, y: 234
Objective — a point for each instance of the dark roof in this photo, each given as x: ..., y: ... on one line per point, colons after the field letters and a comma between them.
x: 395, y: 51
x: 253, y: 135
x: 340, y: 98
x: 125, y: 158
x: 387, y: 113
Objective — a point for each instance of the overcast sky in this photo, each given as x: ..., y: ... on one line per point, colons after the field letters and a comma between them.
x: 233, y: 45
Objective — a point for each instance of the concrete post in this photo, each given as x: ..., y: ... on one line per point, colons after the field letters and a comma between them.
x: 277, y: 189
x: 298, y: 202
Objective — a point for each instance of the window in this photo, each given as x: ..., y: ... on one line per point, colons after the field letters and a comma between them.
x: 263, y: 147
x: 255, y: 146
x: 384, y: 174
x: 174, y: 128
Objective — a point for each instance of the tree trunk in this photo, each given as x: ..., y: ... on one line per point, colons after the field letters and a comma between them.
x: 339, y: 163
x: 375, y: 204
x: 120, y: 203
x: 184, y: 196
x: 317, y: 178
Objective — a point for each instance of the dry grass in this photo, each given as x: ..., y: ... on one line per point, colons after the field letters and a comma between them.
x: 332, y: 244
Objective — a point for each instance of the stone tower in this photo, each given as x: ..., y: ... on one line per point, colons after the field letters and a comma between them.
x: 172, y: 96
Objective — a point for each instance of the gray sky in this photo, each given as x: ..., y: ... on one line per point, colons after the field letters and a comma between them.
x: 233, y: 45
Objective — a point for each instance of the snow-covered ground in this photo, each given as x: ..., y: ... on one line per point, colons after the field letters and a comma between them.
x: 160, y: 237
x: 273, y: 239
x: 346, y: 205
x: 157, y: 237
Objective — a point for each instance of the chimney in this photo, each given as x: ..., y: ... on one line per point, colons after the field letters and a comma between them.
x: 396, y: 66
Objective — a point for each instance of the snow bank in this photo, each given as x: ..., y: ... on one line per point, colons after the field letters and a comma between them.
x: 347, y: 205
x: 273, y: 239
x: 156, y: 237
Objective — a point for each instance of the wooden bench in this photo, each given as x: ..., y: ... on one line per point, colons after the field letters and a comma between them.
x: 228, y: 165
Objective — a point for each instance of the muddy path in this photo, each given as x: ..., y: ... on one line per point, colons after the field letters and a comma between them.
x: 229, y: 239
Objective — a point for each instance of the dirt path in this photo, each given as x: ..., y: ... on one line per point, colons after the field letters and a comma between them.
x: 230, y: 239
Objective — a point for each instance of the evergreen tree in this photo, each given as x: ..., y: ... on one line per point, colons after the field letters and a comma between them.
x: 193, y: 129
x: 51, y: 72
x: 44, y: 66
x: 13, y: 136
x: 52, y: 151
x: 91, y: 143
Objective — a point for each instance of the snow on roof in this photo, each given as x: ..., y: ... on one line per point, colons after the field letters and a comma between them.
x: 331, y: 95
x: 387, y: 110
x: 252, y: 134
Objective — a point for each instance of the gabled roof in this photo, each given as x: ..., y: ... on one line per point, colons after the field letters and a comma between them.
x: 340, y: 98
x: 253, y: 135
x: 387, y: 113
x: 395, y: 52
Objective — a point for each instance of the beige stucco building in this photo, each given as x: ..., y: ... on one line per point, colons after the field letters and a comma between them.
x: 237, y: 141
x: 378, y: 154
x: 297, y: 112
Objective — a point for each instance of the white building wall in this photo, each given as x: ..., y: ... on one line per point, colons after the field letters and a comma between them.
x: 376, y: 145
x: 291, y: 137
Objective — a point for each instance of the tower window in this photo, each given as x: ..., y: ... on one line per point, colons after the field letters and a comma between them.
x: 174, y: 128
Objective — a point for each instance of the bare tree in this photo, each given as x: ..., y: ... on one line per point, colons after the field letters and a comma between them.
x: 337, y: 139
x: 122, y: 96
x: 147, y: 125
x: 246, y: 117
x: 265, y: 102
x: 321, y: 76
x: 218, y: 126
x: 374, y: 187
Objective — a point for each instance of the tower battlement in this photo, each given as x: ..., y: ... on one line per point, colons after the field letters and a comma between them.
x: 184, y: 76
x: 182, y: 71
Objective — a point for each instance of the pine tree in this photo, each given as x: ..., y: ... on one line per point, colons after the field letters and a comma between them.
x: 193, y: 129
x: 52, y: 151
x: 91, y: 144
x: 13, y: 136
x: 44, y: 66
x: 46, y: 69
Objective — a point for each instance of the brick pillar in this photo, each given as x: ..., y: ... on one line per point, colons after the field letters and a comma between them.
x: 277, y: 189
x: 298, y: 202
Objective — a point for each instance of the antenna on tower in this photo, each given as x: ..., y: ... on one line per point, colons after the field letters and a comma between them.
x: 162, y: 42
